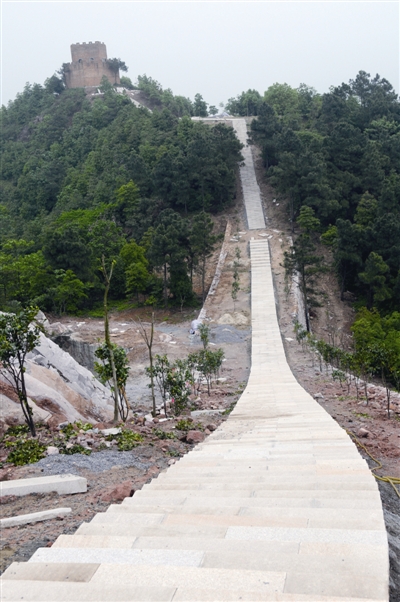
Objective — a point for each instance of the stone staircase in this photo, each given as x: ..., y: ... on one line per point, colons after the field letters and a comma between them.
x: 276, y: 504
x: 251, y: 189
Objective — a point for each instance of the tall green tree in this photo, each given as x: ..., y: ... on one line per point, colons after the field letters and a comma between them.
x: 202, y: 241
x: 19, y: 335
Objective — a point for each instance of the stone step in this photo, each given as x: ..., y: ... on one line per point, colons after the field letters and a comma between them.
x: 372, y: 518
x: 158, y: 494
x: 133, y: 557
x: 334, y: 482
x: 67, y: 582
x: 73, y: 592
x: 290, y: 517
x: 204, y: 504
x: 362, y: 564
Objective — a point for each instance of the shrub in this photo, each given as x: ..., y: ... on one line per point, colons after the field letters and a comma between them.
x: 25, y: 451
x: 75, y: 449
x: 126, y: 439
x: 162, y: 434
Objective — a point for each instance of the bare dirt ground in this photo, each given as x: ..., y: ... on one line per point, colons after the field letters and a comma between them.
x: 229, y: 322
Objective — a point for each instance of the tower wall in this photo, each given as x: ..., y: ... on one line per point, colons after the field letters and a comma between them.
x: 88, y: 66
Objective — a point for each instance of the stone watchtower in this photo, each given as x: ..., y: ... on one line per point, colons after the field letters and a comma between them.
x: 88, y: 66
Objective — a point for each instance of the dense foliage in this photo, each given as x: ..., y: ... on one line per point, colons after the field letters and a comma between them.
x: 339, y: 154
x: 335, y: 158
x: 83, y: 177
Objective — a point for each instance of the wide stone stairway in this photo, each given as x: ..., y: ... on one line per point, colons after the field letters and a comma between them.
x: 276, y: 504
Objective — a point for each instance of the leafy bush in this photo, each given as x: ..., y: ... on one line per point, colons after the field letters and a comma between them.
x: 75, y: 449
x: 25, y: 451
x: 18, y: 429
x: 84, y: 426
x: 68, y: 431
x: 126, y: 439
x: 185, y: 424
x: 162, y: 434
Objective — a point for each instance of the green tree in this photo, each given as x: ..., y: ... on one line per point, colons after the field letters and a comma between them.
x: 347, y: 253
x: 127, y: 203
x: 307, y: 263
x: 199, y: 106
x: 367, y: 210
x: 69, y: 291
x: 202, y: 241
x: 106, y: 374
x: 19, y: 334
x: 374, y: 275
x: 167, y: 250
x: 284, y: 100
x: 116, y: 65
x: 246, y: 103
x: 126, y: 82
x: 136, y: 267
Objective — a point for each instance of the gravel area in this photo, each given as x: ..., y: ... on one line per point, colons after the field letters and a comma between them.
x: 96, y: 462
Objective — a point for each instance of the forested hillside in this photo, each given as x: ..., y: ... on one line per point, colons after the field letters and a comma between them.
x: 84, y: 178
x: 334, y: 159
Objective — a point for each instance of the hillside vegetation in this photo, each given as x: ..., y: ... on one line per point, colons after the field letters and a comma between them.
x: 83, y: 178
x: 335, y: 159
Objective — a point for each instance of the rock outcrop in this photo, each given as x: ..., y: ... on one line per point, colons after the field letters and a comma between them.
x: 59, y: 389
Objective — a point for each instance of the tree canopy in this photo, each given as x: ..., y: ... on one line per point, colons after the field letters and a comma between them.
x: 84, y: 177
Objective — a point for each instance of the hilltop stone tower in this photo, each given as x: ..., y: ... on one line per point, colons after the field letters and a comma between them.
x: 88, y: 66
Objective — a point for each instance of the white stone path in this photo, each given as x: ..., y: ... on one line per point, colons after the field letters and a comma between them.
x: 276, y: 504
x: 251, y: 190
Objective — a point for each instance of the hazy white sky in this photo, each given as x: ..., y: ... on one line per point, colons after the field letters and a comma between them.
x: 216, y: 48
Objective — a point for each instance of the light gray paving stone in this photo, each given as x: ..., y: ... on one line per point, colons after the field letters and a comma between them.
x: 93, y: 541
x: 37, y: 571
x: 346, y: 585
x: 149, y: 557
x: 263, y: 581
x: 218, y: 545
x: 82, y: 592
x: 172, y: 531
x: 358, y: 536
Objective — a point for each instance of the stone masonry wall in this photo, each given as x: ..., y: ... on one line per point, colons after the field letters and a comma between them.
x: 88, y: 66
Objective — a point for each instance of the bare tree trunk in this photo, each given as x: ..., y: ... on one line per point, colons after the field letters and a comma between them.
x: 107, y: 277
x: 203, y: 278
x: 148, y: 339
x: 165, y: 287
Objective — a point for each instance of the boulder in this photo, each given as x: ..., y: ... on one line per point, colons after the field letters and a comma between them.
x: 62, y: 388
x: 118, y: 493
x: 56, y: 328
x: 52, y: 450
x: 112, y: 431
x: 195, y: 437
